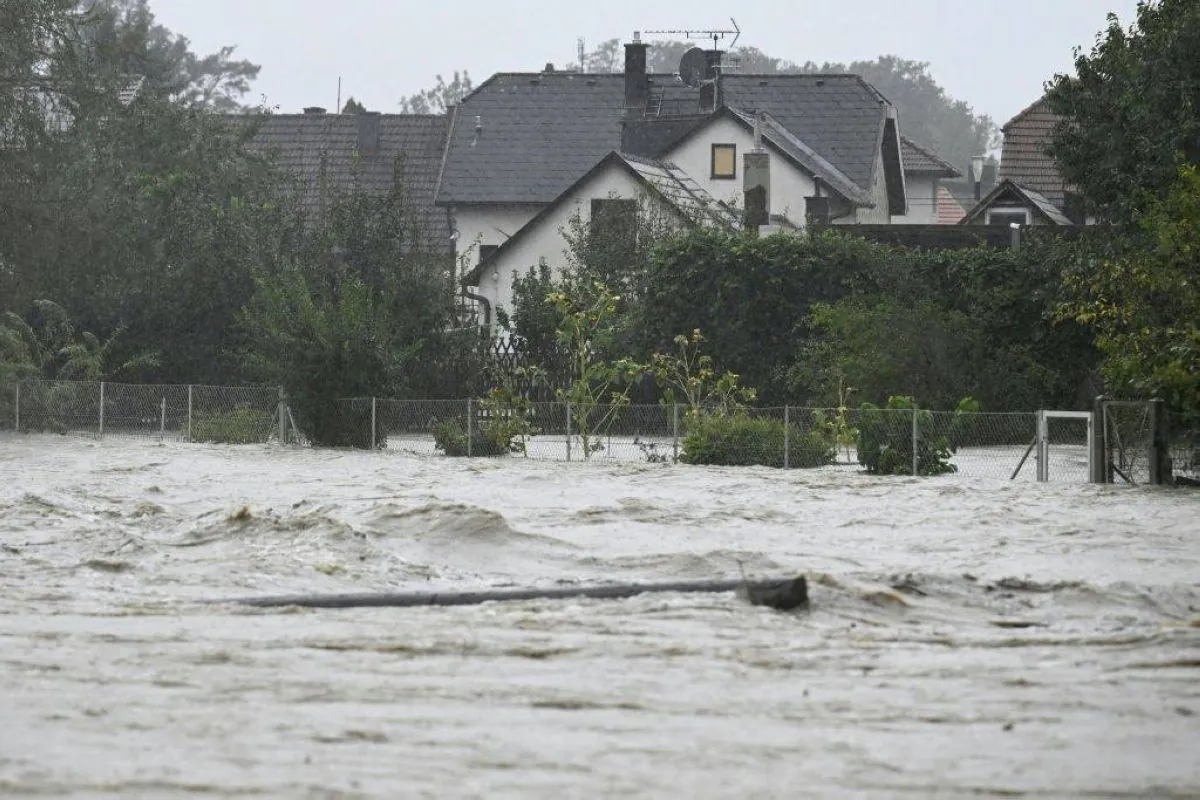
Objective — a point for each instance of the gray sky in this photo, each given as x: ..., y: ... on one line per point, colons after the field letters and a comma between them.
x: 995, y: 56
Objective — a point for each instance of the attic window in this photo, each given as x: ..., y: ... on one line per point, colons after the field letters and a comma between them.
x: 1007, y: 216
x: 724, y: 161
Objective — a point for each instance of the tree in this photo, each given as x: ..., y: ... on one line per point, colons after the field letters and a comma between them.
x: 440, y: 97
x: 361, y: 310
x: 1132, y: 110
x: 1142, y: 298
x: 124, y: 34
x: 352, y: 106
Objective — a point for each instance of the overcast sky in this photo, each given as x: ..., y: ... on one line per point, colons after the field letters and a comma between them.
x: 994, y: 55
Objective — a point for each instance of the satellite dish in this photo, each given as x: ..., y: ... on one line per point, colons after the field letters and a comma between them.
x: 693, y: 66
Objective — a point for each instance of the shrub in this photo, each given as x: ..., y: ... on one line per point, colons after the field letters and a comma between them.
x: 242, y: 425
x: 741, y: 440
x: 885, y: 440
x: 450, y: 437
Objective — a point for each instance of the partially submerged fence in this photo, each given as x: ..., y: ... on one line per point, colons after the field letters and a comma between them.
x: 1117, y: 442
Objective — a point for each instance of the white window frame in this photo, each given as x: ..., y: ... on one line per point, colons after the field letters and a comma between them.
x: 987, y: 215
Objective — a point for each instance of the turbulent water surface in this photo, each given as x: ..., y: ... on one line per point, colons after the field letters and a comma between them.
x: 967, y: 637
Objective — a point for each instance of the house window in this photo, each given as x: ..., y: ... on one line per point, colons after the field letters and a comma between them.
x: 724, y: 161
x: 1008, y: 216
x: 486, y: 250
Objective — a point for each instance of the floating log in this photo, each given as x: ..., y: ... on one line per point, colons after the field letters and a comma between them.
x: 784, y: 594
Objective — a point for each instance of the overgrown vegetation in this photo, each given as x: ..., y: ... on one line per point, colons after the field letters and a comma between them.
x: 241, y: 425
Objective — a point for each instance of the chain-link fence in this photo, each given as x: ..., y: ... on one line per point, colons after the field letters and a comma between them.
x: 225, y: 415
x: 1055, y: 446
x: 881, y: 441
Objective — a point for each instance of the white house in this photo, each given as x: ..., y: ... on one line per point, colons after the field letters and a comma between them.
x: 523, y: 148
x: 622, y: 185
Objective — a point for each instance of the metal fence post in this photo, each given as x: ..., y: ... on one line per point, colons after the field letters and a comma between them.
x: 162, y: 420
x: 675, y: 432
x: 189, y: 418
x: 787, y: 436
x: 1043, y: 447
x: 470, y: 425
x: 101, y: 433
x: 282, y: 413
x: 568, y: 430
x: 916, y: 436
x: 1098, y: 458
x: 374, y: 434
x: 17, y: 409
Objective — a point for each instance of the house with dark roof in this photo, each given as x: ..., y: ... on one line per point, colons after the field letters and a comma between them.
x: 369, y: 152
x: 1031, y: 190
x: 784, y: 150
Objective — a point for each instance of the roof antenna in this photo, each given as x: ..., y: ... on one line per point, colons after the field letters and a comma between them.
x: 339, y: 102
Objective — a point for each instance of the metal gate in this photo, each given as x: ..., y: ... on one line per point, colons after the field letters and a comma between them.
x: 1128, y: 450
x: 1075, y: 452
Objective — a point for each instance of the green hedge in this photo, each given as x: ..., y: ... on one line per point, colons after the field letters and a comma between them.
x: 242, y: 425
x: 451, y: 438
x: 742, y: 441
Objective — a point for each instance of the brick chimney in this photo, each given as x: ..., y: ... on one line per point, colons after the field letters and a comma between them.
x: 637, y: 82
x: 314, y: 110
x: 756, y: 181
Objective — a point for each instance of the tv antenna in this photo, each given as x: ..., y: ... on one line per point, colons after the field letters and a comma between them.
x: 702, y: 33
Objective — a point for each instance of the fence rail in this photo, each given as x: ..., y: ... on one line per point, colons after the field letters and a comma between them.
x: 880, y: 441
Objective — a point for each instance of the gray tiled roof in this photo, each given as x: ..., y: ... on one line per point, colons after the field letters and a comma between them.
x: 1009, y: 189
x: 839, y: 116
x: 540, y: 131
x: 774, y: 133
x: 920, y: 161
x: 318, y: 148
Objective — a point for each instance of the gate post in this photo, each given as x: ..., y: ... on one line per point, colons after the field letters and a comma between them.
x: 1098, y: 457
x: 1160, y: 444
x: 17, y: 410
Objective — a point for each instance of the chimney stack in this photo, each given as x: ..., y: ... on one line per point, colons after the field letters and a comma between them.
x: 756, y: 181
x: 314, y: 110
x: 710, y: 87
x: 368, y: 132
x: 637, y: 82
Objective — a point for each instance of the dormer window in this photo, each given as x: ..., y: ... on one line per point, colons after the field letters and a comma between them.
x: 724, y: 161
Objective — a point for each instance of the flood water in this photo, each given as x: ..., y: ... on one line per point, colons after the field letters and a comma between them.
x: 968, y: 637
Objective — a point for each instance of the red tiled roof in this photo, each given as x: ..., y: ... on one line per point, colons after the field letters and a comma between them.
x: 949, y: 210
x: 1024, y: 159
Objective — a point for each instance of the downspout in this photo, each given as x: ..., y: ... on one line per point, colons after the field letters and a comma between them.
x: 483, y: 301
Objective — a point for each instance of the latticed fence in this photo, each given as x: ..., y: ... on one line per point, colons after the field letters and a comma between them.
x: 1119, y: 441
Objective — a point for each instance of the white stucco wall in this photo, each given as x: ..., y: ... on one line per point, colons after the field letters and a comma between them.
x: 789, y: 185
x: 546, y: 240
x: 480, y: 225
x: 922, y: 202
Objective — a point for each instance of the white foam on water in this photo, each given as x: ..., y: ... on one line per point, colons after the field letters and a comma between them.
x: 967, y: 637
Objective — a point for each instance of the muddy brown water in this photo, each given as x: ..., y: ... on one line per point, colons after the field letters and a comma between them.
x: 966, y: 638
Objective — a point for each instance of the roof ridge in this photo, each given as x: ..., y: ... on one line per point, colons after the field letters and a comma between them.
x: 1026, y: 111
